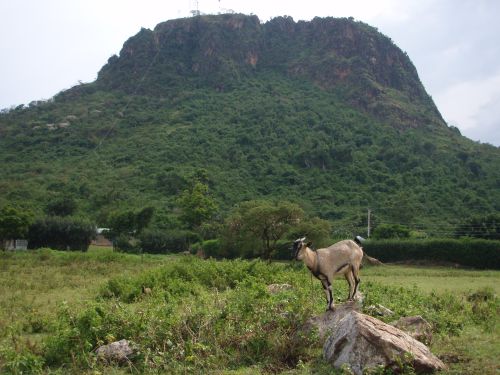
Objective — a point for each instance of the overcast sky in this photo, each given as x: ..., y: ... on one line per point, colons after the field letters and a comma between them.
x: 50, y: 45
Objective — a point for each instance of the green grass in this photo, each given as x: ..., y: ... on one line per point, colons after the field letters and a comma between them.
x: 437, y: 279
x: 209, y: 316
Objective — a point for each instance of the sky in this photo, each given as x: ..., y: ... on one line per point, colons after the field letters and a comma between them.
x: 51, y: 45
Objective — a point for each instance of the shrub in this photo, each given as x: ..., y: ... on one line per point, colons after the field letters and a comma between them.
x: 385, y: 231
x: 171, y: 241
x: 61, y: 233
x: 212, y: 248
x: 466, y: 252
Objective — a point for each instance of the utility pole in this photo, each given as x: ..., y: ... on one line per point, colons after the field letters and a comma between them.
x: 369, y: 219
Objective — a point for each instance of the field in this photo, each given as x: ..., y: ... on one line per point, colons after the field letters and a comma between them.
x: 216, y: 317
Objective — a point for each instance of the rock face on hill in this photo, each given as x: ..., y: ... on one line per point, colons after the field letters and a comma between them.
x: 337, y: 54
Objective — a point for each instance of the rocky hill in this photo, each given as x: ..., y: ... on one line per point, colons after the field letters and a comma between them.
x: 328, y: 113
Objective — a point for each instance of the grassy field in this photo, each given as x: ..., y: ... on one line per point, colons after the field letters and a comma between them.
x: 39, y: 288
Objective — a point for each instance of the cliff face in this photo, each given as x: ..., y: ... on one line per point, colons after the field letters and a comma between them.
x: 349, y: 58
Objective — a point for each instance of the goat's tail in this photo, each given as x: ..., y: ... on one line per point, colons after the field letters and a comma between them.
x: 373, y: 261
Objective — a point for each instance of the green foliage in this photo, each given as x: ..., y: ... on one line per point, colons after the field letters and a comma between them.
x: 14, y: 224
x: 309, y: 112
x: 386, y: 231
x: 483, y: 254
x: 61, y: 233
x: 207, y: 316
x: 487, y: 227
x: 62, y: 206
x: 197, y: 205
x: 128, y: 223
x: 213, y: 248
x: 156, y: 241
x: 216, y: 316
x: 317, y: 230
x: 257, y: 226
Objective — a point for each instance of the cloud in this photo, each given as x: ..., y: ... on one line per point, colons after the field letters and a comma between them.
x: 474, y: 107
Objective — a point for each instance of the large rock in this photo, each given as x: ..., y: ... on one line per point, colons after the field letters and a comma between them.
x: 323, y: 325
x: 118, y: 351
x: 361, y: 342
x: 416, y: 326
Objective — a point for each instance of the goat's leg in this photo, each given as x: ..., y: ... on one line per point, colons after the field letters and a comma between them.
x: 355, y: 273
x: 350, y: 280
x: 327, y: 286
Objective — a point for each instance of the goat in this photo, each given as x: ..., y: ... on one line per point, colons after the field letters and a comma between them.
x: 341, y: 258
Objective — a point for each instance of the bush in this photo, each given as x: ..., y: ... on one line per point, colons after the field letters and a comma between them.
x: 161, y: 242
x: 212, y: 248
x: 385, y: 231
x: 466, y: 252
x: 61, y: 233
x: 207, y: 316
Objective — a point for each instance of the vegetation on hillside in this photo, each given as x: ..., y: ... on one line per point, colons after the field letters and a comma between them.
x: 328, y: 114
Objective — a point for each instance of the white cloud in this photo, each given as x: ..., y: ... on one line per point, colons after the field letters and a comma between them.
x: 461, y: 104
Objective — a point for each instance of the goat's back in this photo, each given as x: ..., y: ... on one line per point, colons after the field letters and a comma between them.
x: 346, y: 251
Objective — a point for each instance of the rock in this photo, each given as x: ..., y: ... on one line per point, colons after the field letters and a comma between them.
x: 118, y: 351
x: 278, y: 288
x: 362, y: 342
x: 379, y: 310
x: 323, y: 324
x: 416, y: 326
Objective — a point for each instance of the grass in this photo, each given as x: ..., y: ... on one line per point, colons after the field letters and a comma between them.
x: 216, y: 316
x: 434, y: 279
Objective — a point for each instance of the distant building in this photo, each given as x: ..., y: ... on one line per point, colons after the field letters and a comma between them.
x: 16, y: 245
x: 101, y: 239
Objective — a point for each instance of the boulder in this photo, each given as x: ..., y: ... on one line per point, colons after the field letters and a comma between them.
x: 362, y: 342
x: 323, y: 324
x: 416, y: 326
x: 118, y: 351
x: 278, y: 288
x: 379, y: 310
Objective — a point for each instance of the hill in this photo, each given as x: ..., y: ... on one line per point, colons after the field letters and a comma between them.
x: 328, y: 113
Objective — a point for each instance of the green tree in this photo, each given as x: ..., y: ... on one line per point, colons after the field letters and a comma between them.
x: 487, y: 227
x: 197, y: 205
x: 63, y: 206
x: 384, y: 231
x: 14, y: 224
x: 315, y: 229
x: 124, y: 225
x: 256, y: 226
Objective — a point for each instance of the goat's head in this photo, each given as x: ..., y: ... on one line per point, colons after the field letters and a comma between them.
x: 299, y: 246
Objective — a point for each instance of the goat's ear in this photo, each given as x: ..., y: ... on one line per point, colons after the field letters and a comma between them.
x: 309, y: 244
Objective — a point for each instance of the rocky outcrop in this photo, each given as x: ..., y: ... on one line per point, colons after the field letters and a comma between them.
x: 362, y: 342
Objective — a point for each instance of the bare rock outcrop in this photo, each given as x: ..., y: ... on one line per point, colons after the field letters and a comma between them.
x: 361, y: 342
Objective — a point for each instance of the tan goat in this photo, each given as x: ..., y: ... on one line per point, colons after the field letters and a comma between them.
x: 341, y: 258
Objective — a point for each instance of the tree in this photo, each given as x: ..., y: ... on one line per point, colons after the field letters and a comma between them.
x: 61, y: 233
x: 63, y: 206
x: 487, y: 227
x: 129, y: 223
x: 317, y: 230
x: 257, y: 226
x: 197, y: 205
x: 384, y: 231
x: 14, y: 224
